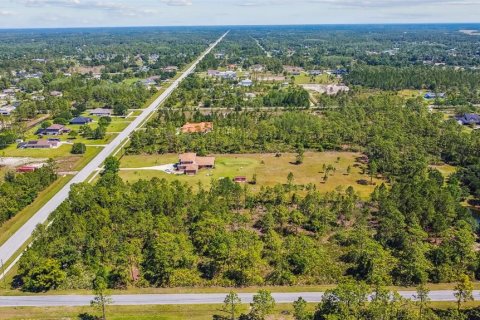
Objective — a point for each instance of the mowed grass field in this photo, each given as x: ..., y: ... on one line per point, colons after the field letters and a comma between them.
x: 174, y: 312
x: 270, y: 170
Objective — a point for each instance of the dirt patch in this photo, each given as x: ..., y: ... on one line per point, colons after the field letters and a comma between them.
x: 67, y: 164
x: 329, y: 89
x: 87, y: 70
x: 19, y: 161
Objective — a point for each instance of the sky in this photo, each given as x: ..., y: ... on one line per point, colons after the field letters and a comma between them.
x: 102, y: 13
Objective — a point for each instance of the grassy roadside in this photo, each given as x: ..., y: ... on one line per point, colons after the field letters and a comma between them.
x: 277, y: 289
x: 172, y: 312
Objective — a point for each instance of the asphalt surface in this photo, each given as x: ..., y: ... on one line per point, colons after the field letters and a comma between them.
x: 16, y: 241
x: 184, y: 299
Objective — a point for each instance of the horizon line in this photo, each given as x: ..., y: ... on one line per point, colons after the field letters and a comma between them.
x: 244, y: 25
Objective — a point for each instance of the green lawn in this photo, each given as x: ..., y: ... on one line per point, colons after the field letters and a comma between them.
x: 321, y: 79
x: 173, y: 312
x: 269, y: 169
x: 12, y: 151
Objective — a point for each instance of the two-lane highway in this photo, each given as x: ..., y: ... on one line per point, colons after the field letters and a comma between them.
x: 16, y: 241
x: 187, y: 299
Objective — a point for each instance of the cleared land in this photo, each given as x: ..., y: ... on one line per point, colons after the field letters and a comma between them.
x: 270, y: 170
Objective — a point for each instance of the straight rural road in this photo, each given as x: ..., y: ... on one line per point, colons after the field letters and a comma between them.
x: 16, y: 241
x: 186, y: 299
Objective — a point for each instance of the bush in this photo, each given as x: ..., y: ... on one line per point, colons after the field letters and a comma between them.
x: 78, y: 148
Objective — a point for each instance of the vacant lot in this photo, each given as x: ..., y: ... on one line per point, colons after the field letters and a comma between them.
x: 270, y: 170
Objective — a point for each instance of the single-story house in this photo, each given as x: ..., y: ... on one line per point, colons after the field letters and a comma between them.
x: 148, y: 82
x: 468, y: 118
x: 257, y: 68
x: 81, y: 120
x: 295, y: 71
x: 170, y: 69
x: 101, y: 112
x: 339, y: 72
x: 212, y: 73
x: 433, y: 95
x: 315, y: 72
x: 53, y: 130
x: 190, y: 163
x: 200, y: 127
x: 246, y: 83
x: 219, y: 55
x: 7, y: 110
x: 38, y: 144
x: 222, y: 74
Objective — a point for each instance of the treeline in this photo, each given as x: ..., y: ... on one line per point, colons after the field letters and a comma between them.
x: 19, y: 190
x: 292, y: 97
x: 415, y: 77
x: 161, y: 234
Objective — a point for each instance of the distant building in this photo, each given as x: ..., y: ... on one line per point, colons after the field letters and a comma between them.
x: 246, y: 83
x: 170, y: 69
x: 315, y: 72
x: 240, y: 179
x: 222, y: 74
x: 148, y: 82
x: 101, y: 112
x: 190, y: 163
x: 81, y: 120
x: 24, y: 169
x: 7, y: 110
x: 56, y: 94
x: 219, y: 55
x: 200, y: 127
x: 53, y: 130
x: 469, y: 119
x: 433, y: 95
x: 257, y: 68
x: 294, y: 71
x: 38, y: 144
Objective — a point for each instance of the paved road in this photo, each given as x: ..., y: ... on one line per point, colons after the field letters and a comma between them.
x: 184, y: 299
x: 12, y: 245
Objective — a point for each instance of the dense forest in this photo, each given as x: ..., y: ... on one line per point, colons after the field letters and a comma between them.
x: 19, y: 190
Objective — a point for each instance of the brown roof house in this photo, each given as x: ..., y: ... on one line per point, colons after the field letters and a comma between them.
x: 190, y: 163
x: 201, y: 127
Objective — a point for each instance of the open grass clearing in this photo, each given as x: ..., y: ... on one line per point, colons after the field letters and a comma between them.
x: 171, y: 312
x: 270, y: 170
x: 320, y: 79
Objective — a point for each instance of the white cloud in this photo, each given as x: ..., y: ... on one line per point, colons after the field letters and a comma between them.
x: 179, y: 3
x: 6, y: 13
x: 117, y: 7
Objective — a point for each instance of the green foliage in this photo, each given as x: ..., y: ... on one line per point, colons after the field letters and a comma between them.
x: 78, y: 148
x: 111, y: 165
x: 19, y: 190
x: 262, y: 305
